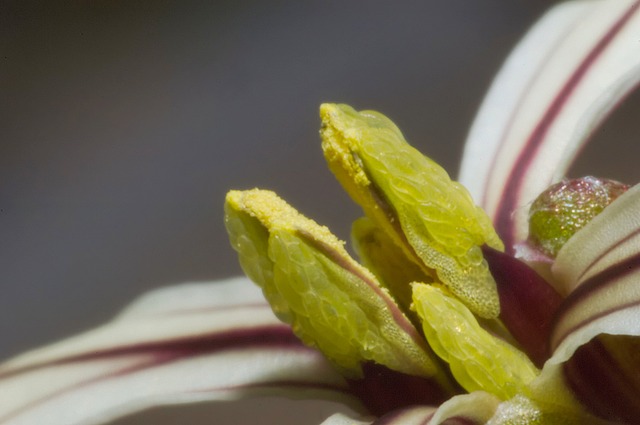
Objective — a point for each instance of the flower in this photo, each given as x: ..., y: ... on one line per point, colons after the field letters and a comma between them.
x: 219, y: 341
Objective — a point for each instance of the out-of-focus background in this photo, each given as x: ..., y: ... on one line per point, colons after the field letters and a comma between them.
x: 123, y: 124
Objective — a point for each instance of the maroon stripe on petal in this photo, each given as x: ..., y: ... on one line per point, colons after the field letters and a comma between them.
x: 609, y: 274
x: 289, y: 384
x: 271, y: 385
x: 588, y: 291
x: 161, y: 354
x: 511, y: 192
x: 558, y: 339
x: 276, y: 336
x: 600, y: 384
x: 143, y: 364
x: 510, y: 122
x: 607, y: 251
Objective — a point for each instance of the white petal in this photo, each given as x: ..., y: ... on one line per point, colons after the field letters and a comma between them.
x: 192, y: 342
x: 560, y: 82
x: 342, y: 419
x: 600, y: 268
x: 610, y: 238
x: 474, y: 408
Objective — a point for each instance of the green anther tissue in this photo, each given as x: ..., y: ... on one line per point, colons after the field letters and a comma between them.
x: 478, y: 360
x: 431, y: 218
x: 379, y: 254
x: 312, y: 283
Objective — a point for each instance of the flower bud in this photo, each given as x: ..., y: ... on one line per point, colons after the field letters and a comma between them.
x: 566, y: 207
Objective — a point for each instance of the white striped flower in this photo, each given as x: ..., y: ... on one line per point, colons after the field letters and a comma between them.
x: 443, y: 325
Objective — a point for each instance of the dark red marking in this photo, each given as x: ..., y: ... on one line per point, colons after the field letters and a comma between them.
x: 601, y: 386
x: 527, y: 303
x: 383, y: 390
x: 508, y: 202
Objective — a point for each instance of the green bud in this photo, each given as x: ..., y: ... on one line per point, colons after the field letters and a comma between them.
x: 566, y: 207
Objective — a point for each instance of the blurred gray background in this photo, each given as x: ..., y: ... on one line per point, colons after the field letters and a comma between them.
x: 123, y: 124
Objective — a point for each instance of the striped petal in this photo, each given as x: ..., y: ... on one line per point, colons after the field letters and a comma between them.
x: 595, y: 335
x: 600, y: 267
x: 189, y: 343
x: 576, y: 64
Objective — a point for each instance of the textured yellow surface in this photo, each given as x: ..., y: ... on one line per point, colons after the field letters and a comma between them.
x: 312, y: 283
x: 478, y: 360
x: 431, y: 218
